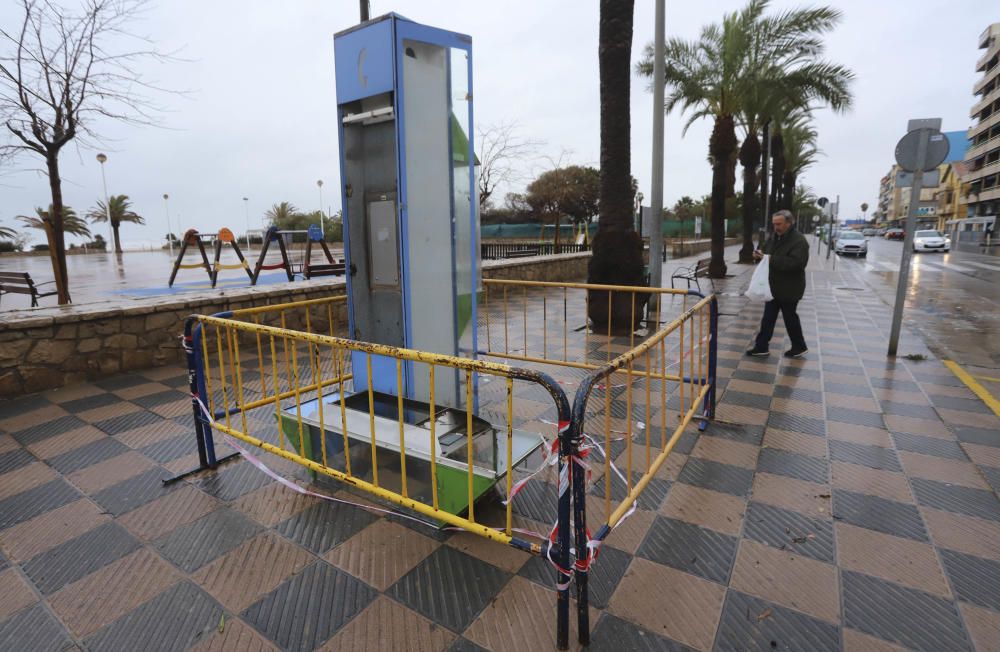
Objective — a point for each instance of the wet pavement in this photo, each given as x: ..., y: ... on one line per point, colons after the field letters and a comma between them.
x: 840, y: 502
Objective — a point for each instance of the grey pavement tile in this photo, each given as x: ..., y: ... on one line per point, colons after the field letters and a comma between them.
x: 929, y: 446
x: 912, y: 618
x: 193, y: 545
x: 650, y: 499
x: 33, y: 629
x: 171, y: 449
x: 847, y: 389
x: 953, y: 498
x: 793, y: 465
x: 126, y: 422
x: 992, y: 476
x: 755, y: 376
x: 450, y: 587
x: 799, y: 372
x: 894, y: 383
x: 726, y: 478
x: 613, y: 633
x: 971, y: 435
x: 975, y: 579
x: 689, y: 548
x: 44, y: 430
x: 746, y: 399
x: 945, y: 378
x: 22, y: 405
x: 34, y: 502
x: 537, y: 500
x: 92, y: 453
x: 79, y: 557
x: 831, y: 367
x: 603, y: 578
x: 159, y: 398
x: 310, y: 607
x: 174, y: 620
x: 180, y: 381
x: 462, y: 644
x: 879, y: 514
x: 787, y: 530
x: 909, y: 410
x: 324, y: 525
x: 857, y: 417
x: 15, y: 459
x: 797, y: 423
x: 749, y: 623
x: 798, y: 393
x: 122, y: 381
x: 91, y: 402
x: 874, y: 457
x: 964, y: 404
x: 233, y: 480
x: 742, y: 433
x: 138, y: 490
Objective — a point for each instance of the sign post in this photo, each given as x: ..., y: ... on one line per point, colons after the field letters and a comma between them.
x: 921, y: 150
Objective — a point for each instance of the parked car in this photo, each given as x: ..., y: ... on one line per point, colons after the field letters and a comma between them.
x: 851, y: 242
x: 894, y: 234
x: 868, y: 232
x: 931, y: 241
x: 881, y: 231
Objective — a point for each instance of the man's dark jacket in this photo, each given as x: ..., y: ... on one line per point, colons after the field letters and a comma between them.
x: 789, y: 256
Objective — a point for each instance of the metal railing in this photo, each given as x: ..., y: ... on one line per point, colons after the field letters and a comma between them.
x: 504, y: 250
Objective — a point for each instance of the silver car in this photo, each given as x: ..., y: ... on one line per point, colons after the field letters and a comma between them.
x: 851, y: 242
x: 930, y: 241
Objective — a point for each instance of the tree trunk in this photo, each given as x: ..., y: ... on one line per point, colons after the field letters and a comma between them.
x: 765, y: 173
x: 721, y: 149
x: 749, y: 159
x: 617, y: 248
x: 788, y: 189
x: 777, y: 173
x: 57, y: 244
x: 118, y: 241
x: 557, y: 242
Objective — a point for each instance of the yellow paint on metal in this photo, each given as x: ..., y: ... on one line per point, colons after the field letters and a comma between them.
x: 976, y: 388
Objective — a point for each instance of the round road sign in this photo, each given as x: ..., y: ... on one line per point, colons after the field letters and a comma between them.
x: 815, y: 218
x: 936, y: 153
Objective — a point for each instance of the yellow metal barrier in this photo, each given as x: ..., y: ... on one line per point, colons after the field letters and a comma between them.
x: 292, y: 393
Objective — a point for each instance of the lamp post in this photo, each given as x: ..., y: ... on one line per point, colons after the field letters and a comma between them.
x: 170, y: 232
x: 101, y: 158
x: 246, y: 209
x: 322, y: 227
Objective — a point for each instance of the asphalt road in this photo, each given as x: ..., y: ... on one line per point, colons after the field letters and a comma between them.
x: 953, y: 298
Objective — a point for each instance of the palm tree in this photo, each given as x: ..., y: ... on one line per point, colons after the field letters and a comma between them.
x: 7, y: 233
x: 617, y: 248
x: 42, y: 221
x: 120, y: 210
x: 279, y: 214
x: 799, y: 144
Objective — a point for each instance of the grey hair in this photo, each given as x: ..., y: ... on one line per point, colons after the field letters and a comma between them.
x: 787, y: 214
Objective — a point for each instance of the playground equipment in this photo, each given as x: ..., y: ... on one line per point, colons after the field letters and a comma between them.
x: 226, y: 237
x: 330, y: 268
x: 193, y: 239
x: 274, y: 235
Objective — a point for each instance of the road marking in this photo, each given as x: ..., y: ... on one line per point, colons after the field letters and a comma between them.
x: 992, y: 268
x: 950, y: 267
x: 977, y: 389
x: 988, y: 379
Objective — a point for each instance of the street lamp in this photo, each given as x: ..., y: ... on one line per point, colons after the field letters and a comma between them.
x: 246, y: 209
x: 322, y: 227
x: 170, y: 233
x: 101, y: 158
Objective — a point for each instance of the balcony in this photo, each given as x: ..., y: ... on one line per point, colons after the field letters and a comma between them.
x: 986, y: 170
x: 977, y: 129
x: 983, y: 82
x: 989, y: 98
x: 976, y: 151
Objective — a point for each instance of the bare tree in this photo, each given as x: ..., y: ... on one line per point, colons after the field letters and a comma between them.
x: 503, y: 153
x: 61, y: 72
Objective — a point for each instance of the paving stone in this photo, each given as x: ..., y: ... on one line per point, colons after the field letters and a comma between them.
x: 726, y: 478
x: 33, y: 502
x: 122, y: 381
x: 878, y: 514
x: 912, y: 618
x: 603, y: 579
x: 612, y: 632
x: 233, y: 480
x: 909, y: 410
x: 798, y: 394
x: 874, y: 457
x: 689, y: 548
x: 797, y: 423
x: 450, y: 587
x: 138, y: 490
x: 192, y: 546
x: 173, y: 620
x: 33, y: 629
x: 929, y: 446
x: 857, y: 417
x: 80, y: 556
x: 892, y: 383
x: 749, y: 623
x: 91, y: 402
x: 742, y: 433
x: 126, y: 422
x: 93, y: 453
x: 793, y: 465
x: 972, y: 435
x: 846, y: 389
x: 789, y: 530
x: 14, y: 460
x: 963, y: 500
x: 45, y: 430
x: 325, y: 525
x: 22, y: 405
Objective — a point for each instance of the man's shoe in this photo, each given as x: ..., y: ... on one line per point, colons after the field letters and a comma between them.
x: 796, y: 353
x: 758, y: 353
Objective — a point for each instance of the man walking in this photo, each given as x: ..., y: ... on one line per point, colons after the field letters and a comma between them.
x: 789, y: 253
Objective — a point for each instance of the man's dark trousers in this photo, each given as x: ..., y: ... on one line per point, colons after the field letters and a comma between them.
x: 792, y: 324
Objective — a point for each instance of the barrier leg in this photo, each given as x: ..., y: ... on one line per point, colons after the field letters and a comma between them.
x: 562, y: 545
x: 582, y: 565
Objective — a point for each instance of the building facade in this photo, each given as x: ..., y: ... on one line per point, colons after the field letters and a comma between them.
x: 983, y: 157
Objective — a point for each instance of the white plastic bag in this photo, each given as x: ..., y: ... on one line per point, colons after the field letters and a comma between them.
x: 760, y: 282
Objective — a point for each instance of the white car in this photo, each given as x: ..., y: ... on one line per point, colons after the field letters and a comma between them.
x: 851, y: 242
x: 930, y: 241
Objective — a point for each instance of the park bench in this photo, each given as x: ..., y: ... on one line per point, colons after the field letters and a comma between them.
x: 21, y: 283
x: 693, y: 273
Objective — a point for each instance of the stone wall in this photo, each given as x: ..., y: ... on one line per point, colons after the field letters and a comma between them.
x: 45, y: 348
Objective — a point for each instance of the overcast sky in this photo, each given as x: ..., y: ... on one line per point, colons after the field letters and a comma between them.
x: 259, y: 120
